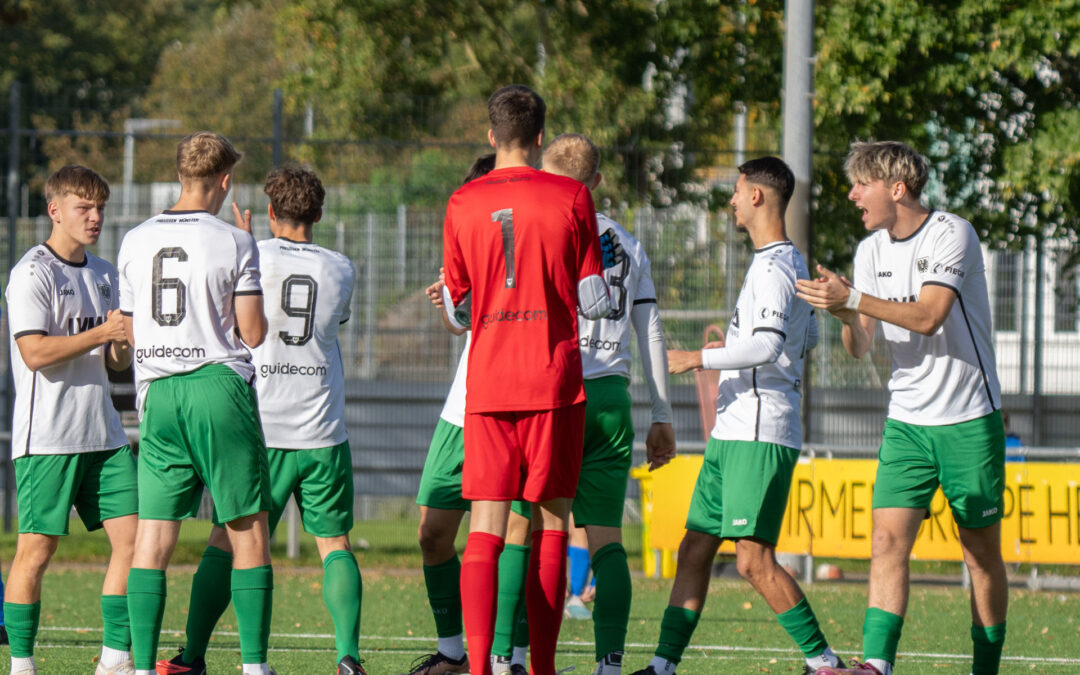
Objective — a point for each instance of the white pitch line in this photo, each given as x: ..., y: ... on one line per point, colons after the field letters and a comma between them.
x: 1061, y: 660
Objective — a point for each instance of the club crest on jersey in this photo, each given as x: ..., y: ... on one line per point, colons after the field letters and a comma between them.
x: 735, y: 318
x: 106, y: 291
x: 923, y: 264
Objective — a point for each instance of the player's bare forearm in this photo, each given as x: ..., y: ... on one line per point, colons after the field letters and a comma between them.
x: 659, y: 445
x: 680, y: 361
x: 118, y: 356
x: 250, y: 319
x: 43, y: 351
x: 924, y: 316
x: 857, y: 340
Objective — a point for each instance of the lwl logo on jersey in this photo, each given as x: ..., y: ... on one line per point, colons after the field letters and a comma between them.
x: 106, y: 291
x: 923, y: 264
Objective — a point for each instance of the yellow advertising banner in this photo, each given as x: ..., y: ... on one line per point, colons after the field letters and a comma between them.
x: 829, y: 511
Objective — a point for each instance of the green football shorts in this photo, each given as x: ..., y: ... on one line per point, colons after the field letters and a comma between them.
x: 322, y: 481
x: 202, y: 428
x: 100, y: 485
x: 742, y: 490
x: 440, y: 483
x: 966, y: 459
x: 606, y: 458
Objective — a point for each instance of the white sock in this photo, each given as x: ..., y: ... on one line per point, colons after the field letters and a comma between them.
x: 111, y: 658
x: 662, y: 666
x: 23, y: 663
x: 146, y: 672
x: 825, y: 658
x: 881, y: 664
x: 519, y: 656
x: 255, y: 669
x: 452, y: 647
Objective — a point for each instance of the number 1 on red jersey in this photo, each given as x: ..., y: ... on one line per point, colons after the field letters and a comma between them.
x: 506, y: 218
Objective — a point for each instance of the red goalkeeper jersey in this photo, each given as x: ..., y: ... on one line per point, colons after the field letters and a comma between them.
x: 519, y: 240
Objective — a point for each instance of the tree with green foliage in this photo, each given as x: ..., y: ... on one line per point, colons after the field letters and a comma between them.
x: 987, y: 89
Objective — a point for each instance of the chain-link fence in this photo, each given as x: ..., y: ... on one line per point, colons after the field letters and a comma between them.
x: 384, y: 210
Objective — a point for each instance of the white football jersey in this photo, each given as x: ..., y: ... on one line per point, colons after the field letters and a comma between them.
x: 179, y: 272
x: 951, y: 376
x: 605, y: 343
x: 454, y: 409
x: 63, y: 409
x: 764, y: 403
x: 299, y: 374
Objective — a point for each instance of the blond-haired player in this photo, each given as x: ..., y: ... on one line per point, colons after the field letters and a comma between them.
x: 192, y: 304
x: 921, y: 274
x: 65, y: 331
x: 609, y: 430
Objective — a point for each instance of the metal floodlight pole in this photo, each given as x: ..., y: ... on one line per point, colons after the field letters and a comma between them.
x: 798, y: 111
x: 132, y: 126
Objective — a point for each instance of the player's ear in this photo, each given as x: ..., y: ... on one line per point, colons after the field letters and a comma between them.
x: 225, y: 181
x: 757, y: 197
x: 899, y: 189
x: 318, y: 217
x: 597, y: 179
x: 491, y: 137
x: 540, y: 139
x: 270, y: 212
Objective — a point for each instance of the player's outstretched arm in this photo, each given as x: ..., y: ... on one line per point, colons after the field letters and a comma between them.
x: 250, y: 319
x: 41, y: 351
x: 833, y: 293
x: 660, y: 441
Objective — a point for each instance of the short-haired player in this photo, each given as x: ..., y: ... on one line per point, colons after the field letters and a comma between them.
x: 192, y: 302
x: 743, y: 486
x: 67, y: 441
x: 522, y: 247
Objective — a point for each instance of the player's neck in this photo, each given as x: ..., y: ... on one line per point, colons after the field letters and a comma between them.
x: 508, y: 158
x: 66, y: 248
x: 770, y: 231
x: 193, y: 199
x: 909, y: 218
x: 296, y: 233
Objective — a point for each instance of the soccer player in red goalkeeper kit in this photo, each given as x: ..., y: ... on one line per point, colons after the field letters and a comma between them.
x: 522, y: 255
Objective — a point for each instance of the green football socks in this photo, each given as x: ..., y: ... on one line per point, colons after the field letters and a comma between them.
x: 22, y: 626
x: 611, y: 612
x: 252, y: 593
x: 988, y: 641
x: 802, y: 626
x: 210, y: 596
x: 881, y: 634
x: 513, y: 570
x: 343, y: 590
x: 443, y: 583
x: 114, y: 616
x: 676, y: 628
x: 146, y: 605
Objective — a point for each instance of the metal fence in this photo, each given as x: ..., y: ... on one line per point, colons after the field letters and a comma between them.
x: 384, y: 209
